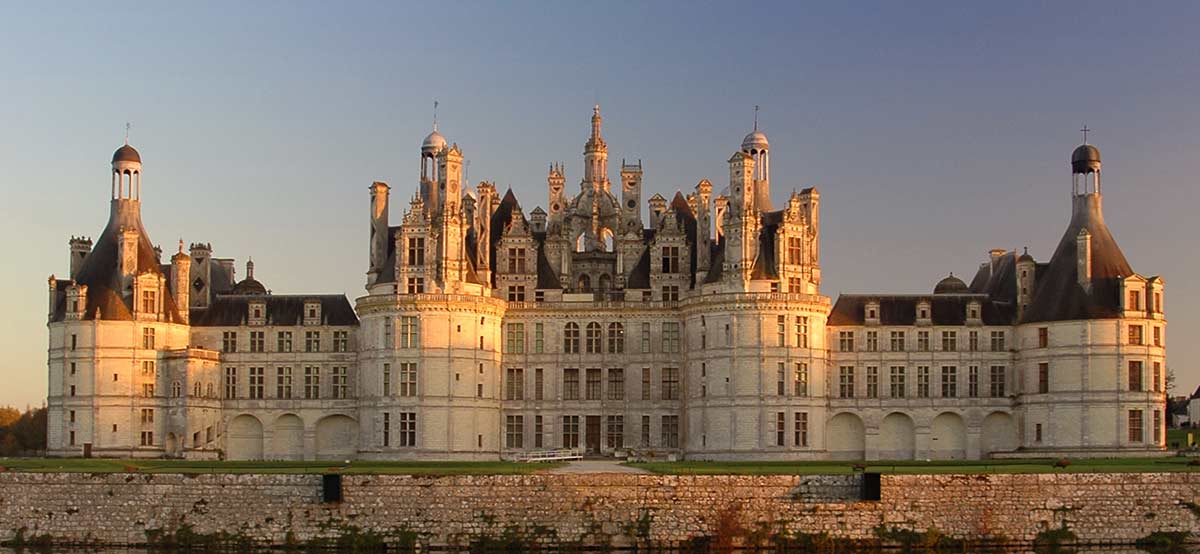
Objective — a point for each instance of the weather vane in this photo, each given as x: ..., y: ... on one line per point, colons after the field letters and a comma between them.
x: 1085, y: 130
x: 127, y: 132
x: 756, y: 117
x: 435, y: 104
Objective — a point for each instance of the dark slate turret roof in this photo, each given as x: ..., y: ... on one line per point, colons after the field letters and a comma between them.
x: 1059, y: 296
x: 126, y: 153
x: 950, y: 285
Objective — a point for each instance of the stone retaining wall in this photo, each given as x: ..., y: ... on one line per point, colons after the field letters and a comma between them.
x: 612, y: 509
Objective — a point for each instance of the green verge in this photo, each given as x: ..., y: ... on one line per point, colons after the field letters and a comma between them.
x: 1083, y: 465
x: 93, y: 465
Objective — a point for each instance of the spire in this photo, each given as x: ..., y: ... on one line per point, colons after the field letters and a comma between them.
x: 435, y: 105
x: 250, y: 268
x: 596, y: 122
x: 756, y: 117
x: 1085, y: 130
x: 127, y: 125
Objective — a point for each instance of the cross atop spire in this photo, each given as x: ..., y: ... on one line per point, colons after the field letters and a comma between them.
x: 756, y: 117
x: 1085, y: 130
x: 127, y: 132
x: 435, y: 105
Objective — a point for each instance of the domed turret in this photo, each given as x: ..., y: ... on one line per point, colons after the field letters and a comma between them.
x: 951, y: 285
x: 756, y: 140
x: 434, y: 142
x: 126, y: 153
x: 126, y: 173
x: 249, y: 285
x: 1085, y: 159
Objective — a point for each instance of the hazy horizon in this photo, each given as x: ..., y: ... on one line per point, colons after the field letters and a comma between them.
x: 934, y: 132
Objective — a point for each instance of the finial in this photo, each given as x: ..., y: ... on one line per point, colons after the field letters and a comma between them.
x: 181, y: 245
x: 249, y: 267
x: 435, y: 105
x: 756, y: 117
x: 127, y: 133
x: 1085, y: 130
x: 596, y: 109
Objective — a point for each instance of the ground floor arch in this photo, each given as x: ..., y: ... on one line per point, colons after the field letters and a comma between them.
x: 245, y: 438
x: 998, y: 434
x: 948, y: 437
x: 897, y: 437
x: 337, y: 438
x: 845, y: 437
x: 287, y: 438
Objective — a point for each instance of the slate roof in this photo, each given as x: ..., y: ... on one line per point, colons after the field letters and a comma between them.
x: 282, y: 309
x: 1058, y: 295
x: 945, y: 309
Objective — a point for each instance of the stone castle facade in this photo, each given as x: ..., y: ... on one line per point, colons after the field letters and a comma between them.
x: 697, y: 331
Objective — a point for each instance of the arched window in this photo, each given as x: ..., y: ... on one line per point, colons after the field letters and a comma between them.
x: 196, y: 390
x: 176, y: 389
x: 594, y: 340
x: 571, y: 338
x: 210, y: 392
x: 616, y: 338
x: 606, y: 237
x: 605, y: 282
x: 585, y: 284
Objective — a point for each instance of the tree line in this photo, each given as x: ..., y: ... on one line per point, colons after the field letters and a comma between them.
x: 22, y: 433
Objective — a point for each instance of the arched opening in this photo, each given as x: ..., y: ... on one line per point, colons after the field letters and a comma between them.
x: 605, y: 283
x: 948, y: 437
x: 287, y: 438
x: 584, y: 284
x: 581, y: 242
x: 845, y: 438
x: 171, y: 445
x: 337, y: 438
x: 897, y: 438
x: 245, y: 438
x: 606, y: 238
x: 998, y: 434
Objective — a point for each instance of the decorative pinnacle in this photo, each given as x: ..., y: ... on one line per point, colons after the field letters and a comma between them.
x: 181, y: 245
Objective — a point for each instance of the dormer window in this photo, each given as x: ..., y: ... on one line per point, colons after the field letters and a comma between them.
x: 148, y: 302
x: 1135, y: 300
x: 973, y: 312
x: 416, y: 251
x: 516, y: 260
x: 312, y: 312
x: 257, y: 313
x: 923, y: 311
x: 872, y: 312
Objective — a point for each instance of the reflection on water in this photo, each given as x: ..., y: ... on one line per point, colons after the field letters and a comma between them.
x: 1189, y: 549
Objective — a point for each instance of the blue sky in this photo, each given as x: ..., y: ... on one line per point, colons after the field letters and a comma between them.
x: 934, y: 131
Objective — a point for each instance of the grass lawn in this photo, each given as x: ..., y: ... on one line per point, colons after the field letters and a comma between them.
x: 80, y: 465
x: 1179, y: 437
x: 1104, y: 465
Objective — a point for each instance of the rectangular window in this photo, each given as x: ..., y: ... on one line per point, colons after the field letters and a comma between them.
x: 670, y: 336
x: 923, y: 341
x: 257, y: 341
x: 872, y: 341
x: 283, y: 341
x: 148, y: 369
x: 616, y: 338
x: 801, y: 385
x: 147, y: 415
x: 570, y: 390
x: 973, y: 341
x: 670, y: 431
x: 229, y: 341
x: 846, y: 341
x: 670, y: 293
x: 897, y: 341
x: 341, y: 382
x: 800, y: 437
x: 616, y: 384
x: 388, y: 335
x: 387, y: 379
x: 1157, y: 377
x: 539, y: 430
x: 341, y: 341
x: 801, y: 331
x: 514, y: 431
x: 539, y: 338
x: 872, y: 382
x: 645, y: 338
x: 593, y: 383
x: 514, y: 384
x: 148, y: 302
x: 615, y: 427
x: 1158, y: 336
x: 646, y: 383
x: 670, y: 259
x: 1037, y: 433
x: 1043, y: 337
x: 408, y: 429
x: 1135, y: 426
x: 408, y: 332
x: 387, y: 429
x: 781, y: 380
x: 283, y: 382
x: 997, y: 381
x: 570, y: 431
x: 923, y: 381
x: 257, y: 376
x: 312, y: 382
x: 997, y: 341
x: 516, y: 293
x: 781, y: 330
x: 312, y: 341
x: 897, y: 381
x: 645, y: 431
x: 973, y: 381
x: 949, y: 341
x: 1135, y: 376
x: 148, y: 338
x: 539, y: 384
x: 516, y: 260
x: 1135, y: 300
x: 949, y: 381
x: 416, y: 251
x: 408, y: 379
x: 670, y: 383
x: 147, y: 438
x: 1156, y: 438
x: 231, y: 382
x: 1135, y: 335
x: 514, y: 339
x: 780, y: 428
x: 1043, y: 377
x: 846, y: 382
x: 794, y: 248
